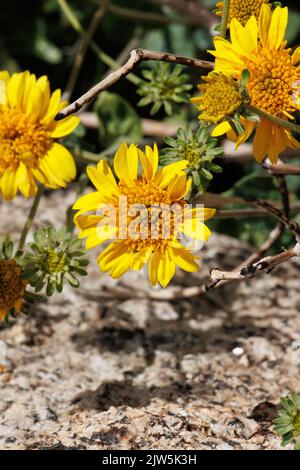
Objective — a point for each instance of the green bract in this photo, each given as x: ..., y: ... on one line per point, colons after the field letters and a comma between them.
x: 163, y: 86
x: 287, y: 424
x: 55, y: 256
x: 199, y: 149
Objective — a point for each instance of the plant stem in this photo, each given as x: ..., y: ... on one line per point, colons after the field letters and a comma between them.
x: 280, y: 122
x: 105, y: 58
x: 83, y: 47
x: 137, y: 15
x: 30, y: 218
x: 225, y: 16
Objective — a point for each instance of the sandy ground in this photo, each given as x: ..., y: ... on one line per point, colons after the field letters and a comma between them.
x: 140, y: 374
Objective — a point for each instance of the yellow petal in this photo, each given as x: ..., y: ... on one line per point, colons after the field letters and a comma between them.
x: 4, y: 76
x: 34, y: 103
x: 65, y: 127
x: 221, y: 129
x: 248, y: 126
x: 277, y: 27
x: 296, y: 56
x: 88, y: 221
x: 178, y: 187
x: 15, y: 89
x: 196, y: 230
x: 25, y: 181
x: 89, y: 201
x: 139, y: 259
x: 264, y: 21
x: 114, y: 250
x: 52, y: 108
x: 166, y: 268
x: 153, y: 267
x: 120, y: 265
x: 225, y: 50
x: 58, y: 165
x: 103, y: 180
x: 251, y: 29
x: 149, y: 161
x: 126, y: 163
x: 184, y: 259
x: 244, y: 40
x: 200, y: 213
x: 8, y: 184
x: 2, y: 92
x: 260, y: 143
x: 109, y: 181
x: 167, y: 173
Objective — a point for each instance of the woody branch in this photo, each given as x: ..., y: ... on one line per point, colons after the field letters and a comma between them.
x: 136, y: 56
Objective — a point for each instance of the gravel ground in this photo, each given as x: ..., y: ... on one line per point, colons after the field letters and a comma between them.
x: 89, y: 372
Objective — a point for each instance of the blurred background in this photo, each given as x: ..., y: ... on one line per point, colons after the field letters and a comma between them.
x: 46, y: 37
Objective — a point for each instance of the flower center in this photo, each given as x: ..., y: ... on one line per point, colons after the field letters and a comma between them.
x: 220, y: 98
x: 54, y: 262
x: 21, y: 139
x: 151, y: 217
x: 11, y: 285
x: 242, y: 10
x: 271, y: 78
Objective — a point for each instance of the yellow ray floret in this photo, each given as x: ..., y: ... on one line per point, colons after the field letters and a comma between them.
x: 28, y: 132
x: 260, y: 47
x: 154, y: 191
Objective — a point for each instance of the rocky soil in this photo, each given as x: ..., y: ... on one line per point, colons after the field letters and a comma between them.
x: 91, y: 369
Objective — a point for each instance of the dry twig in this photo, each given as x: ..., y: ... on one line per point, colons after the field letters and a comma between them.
x: 136, y: 56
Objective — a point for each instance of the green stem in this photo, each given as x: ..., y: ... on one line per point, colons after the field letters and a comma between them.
x: 225, y: 16
x: 30, y: 218
x: 280, y: 122
x: 137, y: 15
x: 105, y: 58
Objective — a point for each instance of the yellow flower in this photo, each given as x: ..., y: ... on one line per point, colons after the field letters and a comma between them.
x: 220, y: 98
x: 242, y: 10
x: 28, y: 132
x: 12, y: 287
x: 132, y: 249
x: 260, y: 47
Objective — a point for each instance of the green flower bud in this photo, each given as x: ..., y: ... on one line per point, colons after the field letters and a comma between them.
x: 199, y: 149
x: 287, y: 424
x: 55, y: 257
x: 163, y: 86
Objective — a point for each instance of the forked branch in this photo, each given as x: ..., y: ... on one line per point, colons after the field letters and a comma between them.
x: 136, y: 56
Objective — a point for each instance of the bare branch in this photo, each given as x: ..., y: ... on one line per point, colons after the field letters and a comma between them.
x: 280, y: 215
x: 265, y: 264
x: 216, y: 279
x: 281, y: 168
x: 136, y: 56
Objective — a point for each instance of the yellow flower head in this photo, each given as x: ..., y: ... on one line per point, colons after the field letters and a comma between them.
x: 260, y: 47
x: 220, y: 98
x: 28, y: 132
x: 156, y: 240
x: 12, y: 287
x: 242, y: 10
